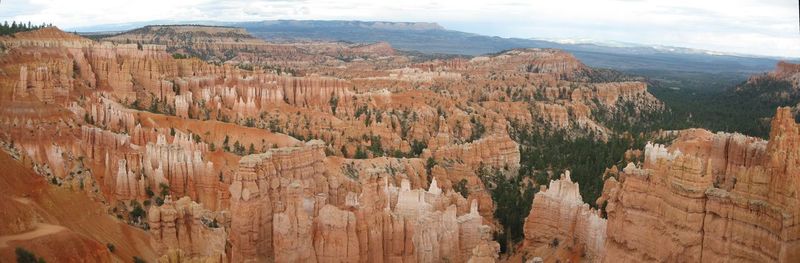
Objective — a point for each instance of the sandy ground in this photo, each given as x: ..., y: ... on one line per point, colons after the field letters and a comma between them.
x: 41, y: 230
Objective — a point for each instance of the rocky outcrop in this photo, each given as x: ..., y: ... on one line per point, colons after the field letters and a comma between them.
x: 544, y: 61
x: 787, y: 71
x: 186, y: 226
x: 335, y: 237
x: 496, y: 151
x: 286, y: 206
x: 560, y: 220
x: 46, y: 37
x: 272, y: 189
x: 705, y: 198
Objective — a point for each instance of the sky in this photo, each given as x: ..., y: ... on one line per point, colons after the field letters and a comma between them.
x: 760, y: 27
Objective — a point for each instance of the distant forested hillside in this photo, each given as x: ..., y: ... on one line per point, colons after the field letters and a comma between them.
x: 431, y: 38
x: 721, y: 101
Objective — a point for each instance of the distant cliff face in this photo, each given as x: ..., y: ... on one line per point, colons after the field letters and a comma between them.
x: 339, y: 24
x: 786, y: 70
x: 781, y: 84
x: 236, y: 45
x: 186, y: 36
x: 705, y: 198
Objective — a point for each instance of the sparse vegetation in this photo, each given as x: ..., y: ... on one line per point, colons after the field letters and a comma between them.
x: 375, y: 146
x: 179, y: 56
x: 461, y: 188
x: 417, y: 147
x: 477, y: 129
x: 513, y: 200
x: 164, y: 189
x: 360, y: 153
x: 334, y: 102
x: 243, y: 66
x: 14, y: 27
x: 350, y: 171
x: 137, y: 213
x: 429, y: 164
x: 25, y: 256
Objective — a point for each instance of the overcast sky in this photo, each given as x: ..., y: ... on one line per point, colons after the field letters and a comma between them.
x: 763, y: 27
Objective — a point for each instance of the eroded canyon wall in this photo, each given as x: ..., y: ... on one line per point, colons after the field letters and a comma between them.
x: 288, y: 206
x: 705, y: 198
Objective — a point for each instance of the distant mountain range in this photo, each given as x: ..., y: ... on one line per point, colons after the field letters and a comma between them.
x: 435, y: 39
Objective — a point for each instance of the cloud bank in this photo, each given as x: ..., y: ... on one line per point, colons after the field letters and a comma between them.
x: 763, y: 27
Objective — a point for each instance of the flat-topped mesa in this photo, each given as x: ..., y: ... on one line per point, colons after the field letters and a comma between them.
x: 184, y: 34
x: 560, y: 220
x: 210, y: 30
x: 215, y: 43
x: 534, y: 60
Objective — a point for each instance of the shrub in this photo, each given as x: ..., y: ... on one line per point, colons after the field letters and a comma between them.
x: 25, y: 256
x: 149, y: 191
x: 417, y: 147
x: 429, y: 165
x: 360, y: 153
x: 137, y: 212
x: 164, y: 189
x: 375, y: 146
x: 461, y: 187
x: 477, y: 129
x: 179, y: 56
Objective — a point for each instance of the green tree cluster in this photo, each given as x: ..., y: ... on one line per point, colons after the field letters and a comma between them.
x: 16, y: 27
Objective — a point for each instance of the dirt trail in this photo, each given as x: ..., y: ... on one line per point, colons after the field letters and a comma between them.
x: 41, y: 230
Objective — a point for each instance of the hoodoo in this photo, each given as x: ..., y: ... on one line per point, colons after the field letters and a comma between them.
x: 707, y: 197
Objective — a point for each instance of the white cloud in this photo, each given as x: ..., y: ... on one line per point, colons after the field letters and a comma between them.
x: 744, y: 26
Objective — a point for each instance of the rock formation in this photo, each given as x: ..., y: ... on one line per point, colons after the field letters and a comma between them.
x: 706, y: 198
x: 559, y: 218
x: 184, y: 225
x: 492, y: 151
x: 230, y: 148
x: 287, y: 206
x: 787, y: 71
